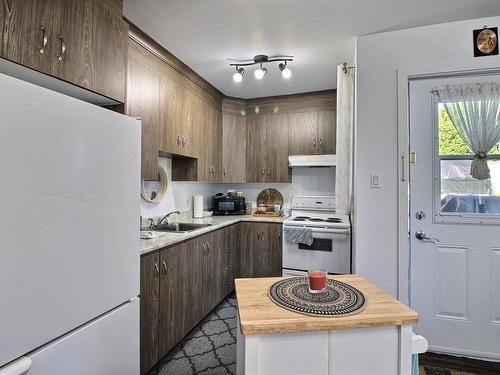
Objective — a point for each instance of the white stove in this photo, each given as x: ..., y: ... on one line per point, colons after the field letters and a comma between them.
x: 331, y: 247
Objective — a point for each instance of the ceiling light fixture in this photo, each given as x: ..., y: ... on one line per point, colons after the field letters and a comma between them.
x: 261, y: 71
x: 238, y: 76
x: 285, y: 70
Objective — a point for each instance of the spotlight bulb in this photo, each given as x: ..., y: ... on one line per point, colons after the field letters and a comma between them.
x: 285, y: 71
x: 238, y: 76
x: 260, y: 73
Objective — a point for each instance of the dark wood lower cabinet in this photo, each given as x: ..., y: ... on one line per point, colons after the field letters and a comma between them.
x: 261, y: 250
x: 181, y: 284
x: 150, y: 287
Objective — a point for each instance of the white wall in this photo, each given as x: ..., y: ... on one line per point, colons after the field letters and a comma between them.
x: 314, y: 181
x: 379, y: 56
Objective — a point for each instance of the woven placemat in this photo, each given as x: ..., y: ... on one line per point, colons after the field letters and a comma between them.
x: 339, y: 299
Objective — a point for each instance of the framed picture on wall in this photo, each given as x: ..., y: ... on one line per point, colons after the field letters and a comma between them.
x: 485, y: 41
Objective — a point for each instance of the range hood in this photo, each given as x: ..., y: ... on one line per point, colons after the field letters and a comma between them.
x: 329, y: 160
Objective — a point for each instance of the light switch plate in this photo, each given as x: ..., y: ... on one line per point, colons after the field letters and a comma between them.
x: 374, y: 181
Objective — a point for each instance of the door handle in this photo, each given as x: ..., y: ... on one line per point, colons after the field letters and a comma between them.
x: 263, y: 171
x: 164, y: 269
x: 183, y: 141
x: 204, y: 249
x: 209, y: 249
x: 157, y: 270
x: 178, y: 139
x: 320, y: 142
x: 44, y: 39
x: 314, y: 143
x: 63, y: 48
x: 18, y: 367
x: 421, y: 236
x: 268, y: 171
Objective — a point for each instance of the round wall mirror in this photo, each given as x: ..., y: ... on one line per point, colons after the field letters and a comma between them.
x: 154, y: 190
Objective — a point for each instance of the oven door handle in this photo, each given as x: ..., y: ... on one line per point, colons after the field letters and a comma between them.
x: 323, y: 230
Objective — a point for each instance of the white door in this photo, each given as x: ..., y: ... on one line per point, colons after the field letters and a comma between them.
x: 455, y: 265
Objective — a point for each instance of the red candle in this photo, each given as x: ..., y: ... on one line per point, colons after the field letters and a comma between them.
x: 317, y: 281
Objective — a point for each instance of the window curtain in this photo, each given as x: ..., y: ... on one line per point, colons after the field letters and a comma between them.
x: 474, y: 111
x: 345, y: 125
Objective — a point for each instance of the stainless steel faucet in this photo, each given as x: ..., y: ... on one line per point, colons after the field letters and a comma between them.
x: 167, y: 215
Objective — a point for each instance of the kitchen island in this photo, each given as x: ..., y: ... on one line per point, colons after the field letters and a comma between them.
x: 273, y: 340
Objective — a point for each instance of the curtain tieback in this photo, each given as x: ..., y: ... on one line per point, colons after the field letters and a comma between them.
x: 481, y: 155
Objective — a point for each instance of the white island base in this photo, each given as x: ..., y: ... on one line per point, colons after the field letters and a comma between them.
x: 360, y: 351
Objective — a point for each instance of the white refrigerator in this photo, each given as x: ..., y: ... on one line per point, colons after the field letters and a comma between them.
x: 69, y: 253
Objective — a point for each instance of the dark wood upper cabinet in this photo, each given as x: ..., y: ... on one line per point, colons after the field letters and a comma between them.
x: 327, y: 131
x: 28, y: 28
x: 267, y: 148
x: 109, y: 50
x: 233, y: 141
x: 143, y: 101
x: 303, y: 133
x: 149, y: 308
x: 80, y: 41
x: 277, y: 169
x: 256, y: 149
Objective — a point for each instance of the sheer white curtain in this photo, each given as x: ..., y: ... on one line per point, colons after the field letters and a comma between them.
x: 475, y: 112
x: 345, y: 122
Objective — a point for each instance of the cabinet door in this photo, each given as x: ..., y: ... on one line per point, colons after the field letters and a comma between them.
x: 274, y: 253
x: 326, y: 121
x: 277, y: 169
x: 109, y: 45
x: 72, y: 44
x: 175, y: 289
x: 233, y: 148
x: 143, y: 100
x: 249, y: 248
x: 256, y: 149
x: 232, y: 252
x: 171, y: 108
x: 190, y: 109
x: 28, y: 29
x: 149, y: 301
x: 215, y: 137
x: 302, y: 138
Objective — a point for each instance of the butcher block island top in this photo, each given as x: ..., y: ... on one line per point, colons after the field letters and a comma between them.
x: 259, y: 315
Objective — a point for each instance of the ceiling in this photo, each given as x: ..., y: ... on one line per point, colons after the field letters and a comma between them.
x: 204, y: 34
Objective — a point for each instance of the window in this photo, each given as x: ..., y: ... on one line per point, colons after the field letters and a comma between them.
x: 458, y: 191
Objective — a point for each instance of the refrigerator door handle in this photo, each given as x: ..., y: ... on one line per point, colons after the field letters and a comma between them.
x: 18, y: 367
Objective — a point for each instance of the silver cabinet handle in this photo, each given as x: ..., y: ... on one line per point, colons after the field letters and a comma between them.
x: 314, y: 143
x: 178, y: 139
x: 228, y: 267
x: 164, y: 269
x: 224, y: 172
x: 44, y: 39
x: 157, y: 270
x: 204, y: 252
x: 420, y: 235
x: 263, y: 171
x: 320, y: 142
x: 209, y: 249
x: 63, y: 48
x: 268, y: 171
x: 183, y: 141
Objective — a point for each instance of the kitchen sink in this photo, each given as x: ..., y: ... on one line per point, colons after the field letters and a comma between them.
x: 178, y: 227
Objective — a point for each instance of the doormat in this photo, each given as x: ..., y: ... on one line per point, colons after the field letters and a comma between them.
x: 436, y: 371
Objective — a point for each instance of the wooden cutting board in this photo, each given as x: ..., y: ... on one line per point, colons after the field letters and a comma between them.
x: 270, y: 197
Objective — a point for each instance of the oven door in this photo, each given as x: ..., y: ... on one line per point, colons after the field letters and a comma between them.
x: 330, y: 250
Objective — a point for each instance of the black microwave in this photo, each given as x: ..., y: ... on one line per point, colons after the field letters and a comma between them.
x: 224, y: 205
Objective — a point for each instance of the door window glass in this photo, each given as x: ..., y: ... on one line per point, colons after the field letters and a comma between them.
x: 458, y: 191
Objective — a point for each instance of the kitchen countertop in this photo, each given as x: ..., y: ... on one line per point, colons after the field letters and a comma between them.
x: 259, y: 315
x: 168, y: 238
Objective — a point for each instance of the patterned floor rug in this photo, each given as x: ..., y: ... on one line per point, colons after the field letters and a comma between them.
x: 210, y: 349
